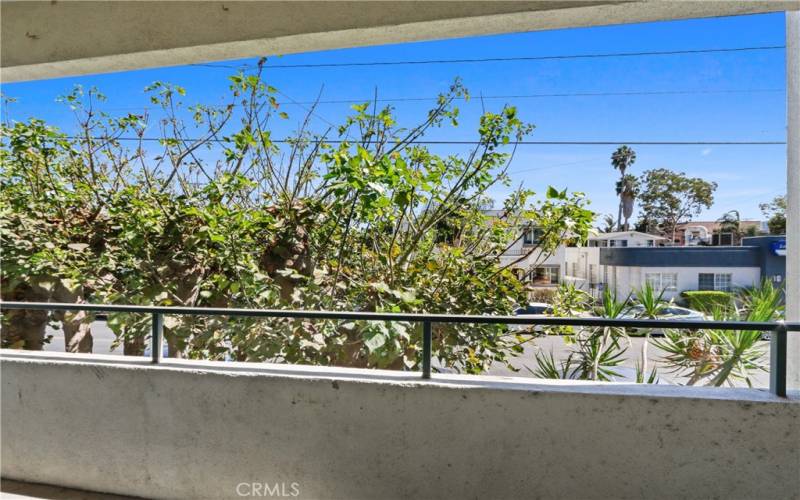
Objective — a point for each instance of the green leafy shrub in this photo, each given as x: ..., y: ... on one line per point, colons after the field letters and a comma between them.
x: 709, y: 301
x: 218, y: 214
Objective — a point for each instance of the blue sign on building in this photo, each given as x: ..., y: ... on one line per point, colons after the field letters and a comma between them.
x: 778, y: 247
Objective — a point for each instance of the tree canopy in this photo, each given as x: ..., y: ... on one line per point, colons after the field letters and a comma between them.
x: 775, y: 212
x: 217, y: 212
x: 669, y: 198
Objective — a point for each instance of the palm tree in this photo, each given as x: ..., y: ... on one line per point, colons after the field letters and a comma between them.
x: 627, y: 190
x: 608, y: 224
x: 730, y: 223
x: 621, y: 159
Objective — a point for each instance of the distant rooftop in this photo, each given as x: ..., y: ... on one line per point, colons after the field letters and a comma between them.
x: 617, y: 234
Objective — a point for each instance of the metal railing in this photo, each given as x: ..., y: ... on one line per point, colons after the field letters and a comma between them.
x: 778, y: 330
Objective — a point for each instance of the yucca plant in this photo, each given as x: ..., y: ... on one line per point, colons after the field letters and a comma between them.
x: 653, y: 305
x: 595, y: 351
x: 640, y: 374
x: 599, y: 353
x: 717, y: 356
x: 602, y: 350
x: 764, y: 297
x: 547, y: 367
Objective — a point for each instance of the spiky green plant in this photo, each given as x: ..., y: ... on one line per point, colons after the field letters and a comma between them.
x: 652, y: 306
x: 762, y: 298
x: 547, y: 367
x: 717, y: 356
x: 603, y: 345
x: 595, y: 352
x: 652, y: 378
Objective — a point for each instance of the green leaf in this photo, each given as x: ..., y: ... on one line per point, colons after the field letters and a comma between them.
x: 374, y: 341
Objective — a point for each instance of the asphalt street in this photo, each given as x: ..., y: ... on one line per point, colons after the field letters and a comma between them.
x: 103, y: 340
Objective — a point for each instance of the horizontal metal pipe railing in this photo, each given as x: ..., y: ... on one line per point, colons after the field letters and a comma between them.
x: 778, y: 342
x: 388, y: 316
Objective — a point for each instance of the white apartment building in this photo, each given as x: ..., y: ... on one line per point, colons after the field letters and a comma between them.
x: 624, y: 239
x: 626, y: 261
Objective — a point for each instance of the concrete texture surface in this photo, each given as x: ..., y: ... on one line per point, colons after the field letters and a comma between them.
x: 190, y: 429
x: 793, y: 193
x: 16, y: 490
x: 41, y: 39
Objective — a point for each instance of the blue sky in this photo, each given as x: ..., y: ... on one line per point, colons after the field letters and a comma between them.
x: 747, y: 175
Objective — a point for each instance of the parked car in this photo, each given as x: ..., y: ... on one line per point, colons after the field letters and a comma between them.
x: 667, y: 312
x: 540, y: 310
x: 670, y: 312
x: 533, y: 310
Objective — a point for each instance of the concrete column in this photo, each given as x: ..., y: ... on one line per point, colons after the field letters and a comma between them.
x: 793, y: 191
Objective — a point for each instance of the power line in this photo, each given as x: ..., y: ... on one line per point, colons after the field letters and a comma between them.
x: 510, y: 143
x: 501, y: 59
x: 308, y: 110
x: 547, y: 95
x: 495, y: 97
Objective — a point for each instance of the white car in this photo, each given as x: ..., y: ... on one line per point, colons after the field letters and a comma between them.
x: 669, y: 312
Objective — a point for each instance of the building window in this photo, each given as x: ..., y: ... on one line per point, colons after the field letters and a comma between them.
x: 722, y: 239
x: 532, y: 236
x: 545, y: 275
x: 662, y: 281
x: 650, y: 243
x: 715, y: 281
x: 618, y: 243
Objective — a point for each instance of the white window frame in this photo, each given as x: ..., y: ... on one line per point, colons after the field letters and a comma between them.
x: 723, y: 282
x: 720, y: 278
x: 662, y: 281
x: 553, y: 274
x: 530, y: 236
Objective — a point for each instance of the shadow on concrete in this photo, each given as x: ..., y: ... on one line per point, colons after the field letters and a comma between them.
x: 16, y: 490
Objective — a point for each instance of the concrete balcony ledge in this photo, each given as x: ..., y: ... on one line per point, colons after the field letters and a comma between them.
x: 224, y: 430
x: 323, y: 373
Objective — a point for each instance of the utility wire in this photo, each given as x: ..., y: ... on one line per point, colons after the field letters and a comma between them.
x: 489, y: 97
x: 510, y: 143
x: 546, y: 95
x: 500, y: 59
x: 508, y: 96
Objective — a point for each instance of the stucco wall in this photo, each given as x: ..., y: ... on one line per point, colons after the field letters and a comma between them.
x: 630, y: 278
x: 199, y: 430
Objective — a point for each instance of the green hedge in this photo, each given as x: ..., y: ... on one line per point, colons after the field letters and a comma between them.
x: 708, y: 300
